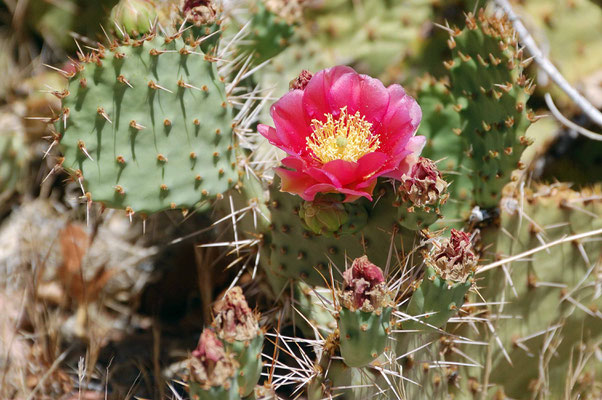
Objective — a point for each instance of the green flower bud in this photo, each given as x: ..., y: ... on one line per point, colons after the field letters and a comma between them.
x: 323, y: 216
x: 133, y: 17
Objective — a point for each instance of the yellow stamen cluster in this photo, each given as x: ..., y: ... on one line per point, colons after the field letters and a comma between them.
x: 348, y: 138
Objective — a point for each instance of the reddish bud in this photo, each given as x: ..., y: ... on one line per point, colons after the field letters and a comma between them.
x: 301, y: 81
x: 364, y: 285
x: 209, y: 364
x: 210, y: 349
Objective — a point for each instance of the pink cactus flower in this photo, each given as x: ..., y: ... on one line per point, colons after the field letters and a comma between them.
x: 341, y: 131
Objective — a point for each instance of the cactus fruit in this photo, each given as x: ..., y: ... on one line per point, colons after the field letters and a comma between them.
x: 212, y: 370
x: 133, y: 17
x: 491, y: 93
x: 146, y: 126
x: 423, y: 193
x: 447, y: 278
x: 237, y: 326
x: 365, y: 313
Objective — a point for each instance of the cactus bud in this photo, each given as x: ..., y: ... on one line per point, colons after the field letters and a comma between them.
x: 323, y: 216
x: 133, y: 17
x: 237, y: 325
x: 364, y: 286
x: 424, y: 185
x: 212, y: 370
x: 450, y: 265
x: 234, y: 320
x: 365, y: 315
x: 199, y: 12
x: 453, y: 258
x: 422, y: 192
x: 301, y: 81
x: 327, y: 216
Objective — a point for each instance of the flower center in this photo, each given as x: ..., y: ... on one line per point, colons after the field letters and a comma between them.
x: 348, y: 138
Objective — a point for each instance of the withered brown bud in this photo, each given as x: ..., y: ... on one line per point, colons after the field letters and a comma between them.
x: 199, y: 12
x: 453, y: 258
x: 424, y: 184
x: 301, y: 81
x: 234, y: 320
x: 364, y: 286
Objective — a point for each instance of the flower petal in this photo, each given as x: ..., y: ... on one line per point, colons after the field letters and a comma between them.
x: 371, y: 163
x: 413, y: 150
x: 374, y: 100
x: 294, y: 182
x: 311, y: 192
x: 344, y: 92
x: 316, y: 96
x: 291, y: 123
x: 344, y: 171
x: 402, y: 118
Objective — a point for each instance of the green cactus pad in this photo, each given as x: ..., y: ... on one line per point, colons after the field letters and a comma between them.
x: 491, y: 94
x: 248, y: 356
x: 269, y: 34
x: 536, y: 291
x: 439, y: 298
x: 311, y: 304
x: 295, y: 252
x: 363, y: 335
x: 153, y: 117
x: 214, y: 392
x: 439, y: 123
x: 337, y: 380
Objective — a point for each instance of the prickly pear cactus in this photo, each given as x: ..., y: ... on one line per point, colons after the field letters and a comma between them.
x: 447, y: 279
x: 212, y: 371
x: 552, y: 298
x: 365, y: 314
x: 269, y: 32
x: 238, y: 328
x: 297, y: 252
x: 146, y: 126
x: 439, y: 118
x: 491, y: 93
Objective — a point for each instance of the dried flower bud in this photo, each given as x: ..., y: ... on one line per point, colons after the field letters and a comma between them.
x: 209, y: 364
x: 453, y: 258
x: 301, y: 81
x: 364, y: 286
x: 424, y: 185
x: 234, y: 320
x: 199, y: 12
